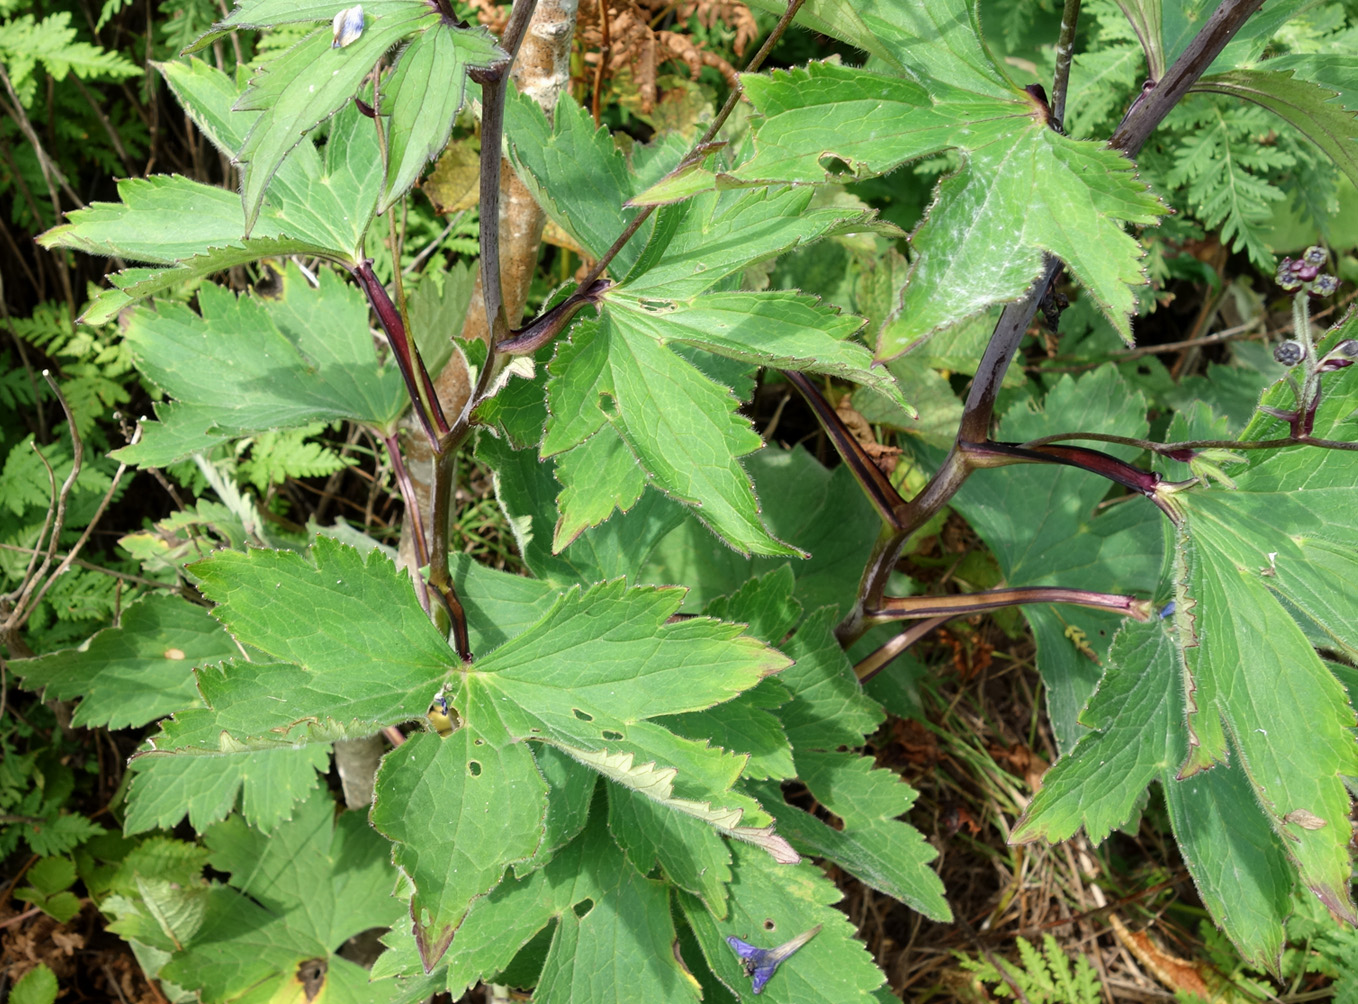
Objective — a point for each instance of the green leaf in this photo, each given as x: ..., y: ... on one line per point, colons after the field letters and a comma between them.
x: 1262, y: 710
x: 425, y: 92
x: 1044, y: 191
x: 37, y: 986
x: 49, y: 889
x: 620, y: 950
x: 1240, y: 867
x: 316, y: 205
x: 134, y: 673
x: 305, y: 86
x: 822, y: 511
x: 597, y: 477
x: 257, y: 14
x: 263, y: 784
x: 1309, y: 108
x: 1252, y: 670
x: 570, y: 787
x: 295, y: 896
x: 1135, y: 716
x: 248, y: 364
x: 771, y: 904
x: 613, y: 939
x: 873, y: 844
x: 623, y: 659
x: 620, y: 547
x: 718, y: 234
x: 835, y: 18
x: 1332, y: 71
x: 575, y: 173
x: 501, y: 923
x: 459, y: 811
x: 691, y: 854
x: 682, y: 427
x: 390, y: 664
x: 936, y: 40
x: 590, y: 672
x: 828, y: 707
x: 781, y: 328
x: 162, y: 219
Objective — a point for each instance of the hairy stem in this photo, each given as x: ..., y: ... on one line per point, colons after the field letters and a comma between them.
x: 1065, y: 50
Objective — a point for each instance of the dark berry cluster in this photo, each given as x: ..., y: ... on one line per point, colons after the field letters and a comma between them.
x: 1305, y: 272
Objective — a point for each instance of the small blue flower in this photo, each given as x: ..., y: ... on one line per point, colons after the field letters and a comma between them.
x: 1167, y: 610
x: 760, y: 963
x: 348, y: 25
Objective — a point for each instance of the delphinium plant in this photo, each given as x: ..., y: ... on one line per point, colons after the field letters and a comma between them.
x: 584, y: 785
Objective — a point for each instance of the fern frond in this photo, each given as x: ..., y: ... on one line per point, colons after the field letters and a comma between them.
x: 1046, y: 975
x: 1225, y: 154
x: 25, y: 42
x: 276, y: 456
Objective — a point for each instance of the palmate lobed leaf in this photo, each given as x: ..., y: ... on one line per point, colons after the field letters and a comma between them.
x: 317, y: 204
x: 613, y: 932
x: 682, y: 427
x: 1226, y: 703
x: 246, y: 364
x: 134, y: 673
x: 583, y: 675
x: 458, y: 811
x: 305, y: 86
x: 295, y: 896
x: 1025, y: 190
x: 262, y: 784
x: 425, y: 92
x: 771, y: 904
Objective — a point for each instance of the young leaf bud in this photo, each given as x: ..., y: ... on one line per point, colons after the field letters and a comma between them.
x: 1289, y: 353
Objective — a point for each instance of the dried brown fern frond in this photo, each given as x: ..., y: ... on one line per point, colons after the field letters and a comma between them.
x: 624, y: 34
x: 711, y: 13
x: 490, y: 14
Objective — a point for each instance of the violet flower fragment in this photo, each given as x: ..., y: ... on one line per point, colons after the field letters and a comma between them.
x: 348, y: 25
x: 761, y: 963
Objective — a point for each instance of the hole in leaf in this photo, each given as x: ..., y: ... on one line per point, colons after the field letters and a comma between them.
x: 474, y: 768
x: 834, y: 165
x: 769, y: 925
x: 583, y: 907
x: 611, y: 736
x: 478, y: 742
x: 583, y: 716
x: 608, y: 404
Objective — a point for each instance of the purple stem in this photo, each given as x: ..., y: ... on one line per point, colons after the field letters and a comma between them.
x: 403, y: 482
x: 872, y: 664
x: 407, y: 354
x: 875, y: 484
x: 993, y: 454
x: 896, y: 608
